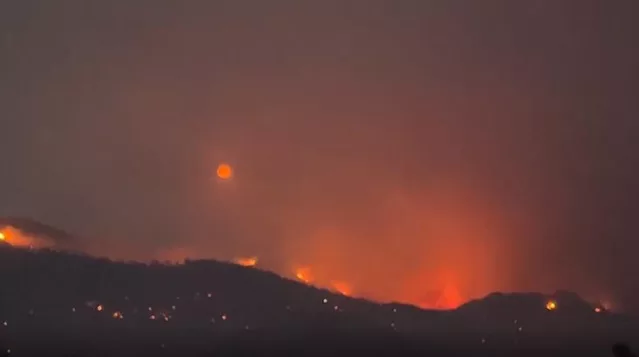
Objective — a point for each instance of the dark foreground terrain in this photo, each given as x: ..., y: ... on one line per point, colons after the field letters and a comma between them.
x: 56, y: 303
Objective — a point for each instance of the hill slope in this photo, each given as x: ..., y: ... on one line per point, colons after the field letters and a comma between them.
x: 58, y: 296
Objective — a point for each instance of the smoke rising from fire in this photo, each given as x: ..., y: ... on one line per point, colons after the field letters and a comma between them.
x: 408, y: 149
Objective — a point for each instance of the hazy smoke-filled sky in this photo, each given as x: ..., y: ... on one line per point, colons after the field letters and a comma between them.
x: 400, y: 146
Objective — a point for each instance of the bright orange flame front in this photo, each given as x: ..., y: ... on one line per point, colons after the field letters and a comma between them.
x: 304, y: 274
x: 342, y: 288
x: 449, y: 299
x: 551, y: 305
x: 246, y: 262
x: 224, y: 171
x: 17, y: 238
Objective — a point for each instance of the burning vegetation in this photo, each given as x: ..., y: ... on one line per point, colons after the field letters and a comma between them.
x: 246, y: 262
x: 19, y: 239
x: 431, y: 287
x: 304, y: 275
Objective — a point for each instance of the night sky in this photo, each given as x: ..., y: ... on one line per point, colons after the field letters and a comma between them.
x: 403, y: 147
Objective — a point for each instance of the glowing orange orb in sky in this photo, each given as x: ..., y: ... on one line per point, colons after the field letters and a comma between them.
x: 551, y: 305
x: 224, y: 171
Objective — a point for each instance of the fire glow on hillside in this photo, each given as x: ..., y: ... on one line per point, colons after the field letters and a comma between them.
x: 246, y: 262
x: 20, y: 239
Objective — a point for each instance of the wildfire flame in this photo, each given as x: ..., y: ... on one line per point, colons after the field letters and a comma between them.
x: 17, y: 238
x: 551, y: 305
x: 342, y: 288
x: 304, y: 275
x: 246, y: 262
x: 449, y: 299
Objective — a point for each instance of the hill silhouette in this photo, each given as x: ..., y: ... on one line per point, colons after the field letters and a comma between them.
x: 74, y: 302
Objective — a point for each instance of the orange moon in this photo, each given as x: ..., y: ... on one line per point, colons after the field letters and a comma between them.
x: 224, y: 171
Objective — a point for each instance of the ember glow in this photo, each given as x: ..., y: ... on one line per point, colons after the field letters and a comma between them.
x: 342, y: 288
x: 450, y: 298
x: 19, y: 239
x: 246, y: 262
x: 304, y: 275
